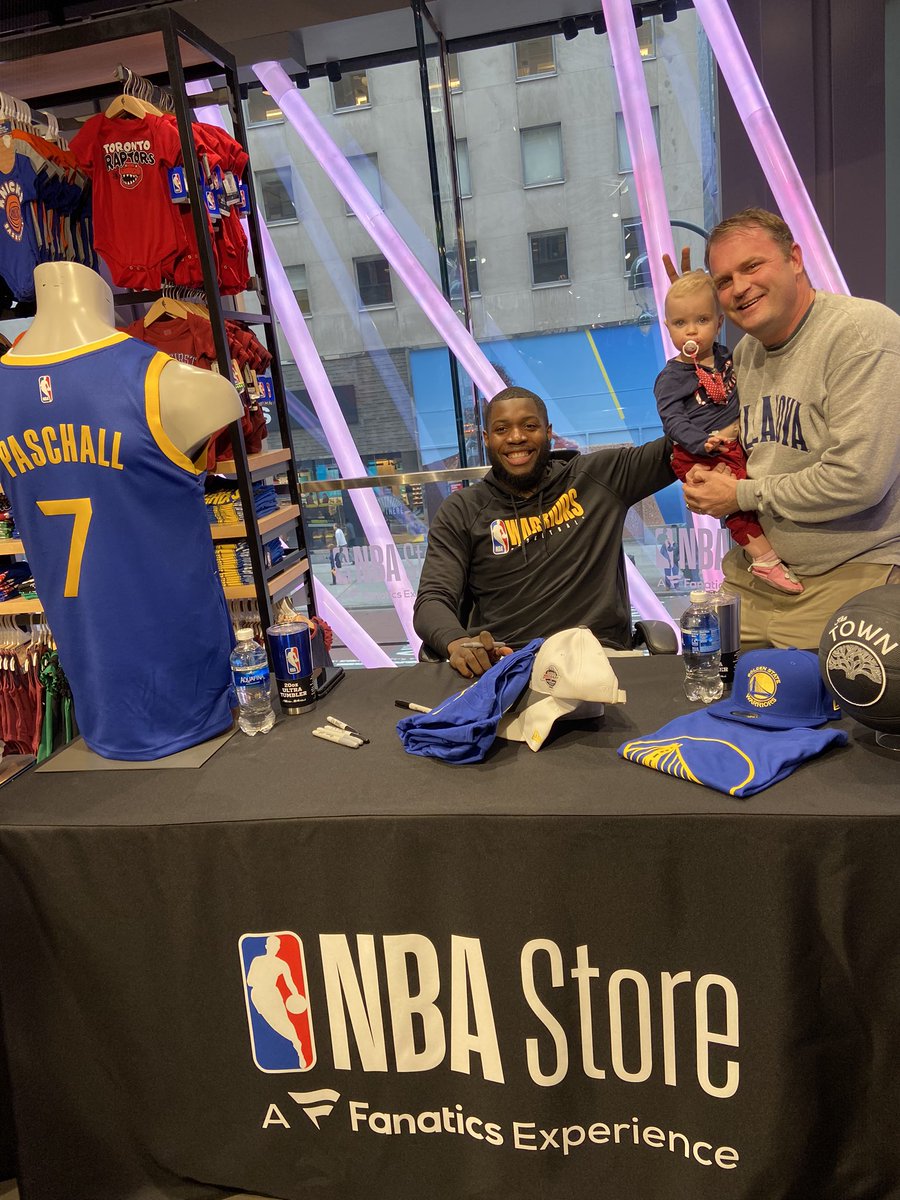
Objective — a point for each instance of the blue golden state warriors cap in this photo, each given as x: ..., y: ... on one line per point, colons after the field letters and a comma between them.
x: 777, y: 689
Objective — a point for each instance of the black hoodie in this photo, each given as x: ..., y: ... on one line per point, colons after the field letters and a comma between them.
x: 525, y: 568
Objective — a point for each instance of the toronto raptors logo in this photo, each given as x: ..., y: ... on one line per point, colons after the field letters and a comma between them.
x: 11, y: 199
x: 131, y: 175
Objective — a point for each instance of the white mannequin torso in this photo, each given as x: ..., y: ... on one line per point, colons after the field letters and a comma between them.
x: 75, y: 308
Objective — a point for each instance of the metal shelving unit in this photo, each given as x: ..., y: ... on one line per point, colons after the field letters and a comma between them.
x: 169, y: 50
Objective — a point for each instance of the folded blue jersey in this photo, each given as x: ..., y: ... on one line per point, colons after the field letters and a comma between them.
x: 461, y: 729
x: 731, y: 757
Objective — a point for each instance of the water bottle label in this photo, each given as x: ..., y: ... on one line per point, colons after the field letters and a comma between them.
x: 251, y: 676
x: 701, y: 641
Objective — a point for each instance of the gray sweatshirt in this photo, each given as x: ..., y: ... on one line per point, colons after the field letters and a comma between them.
x: 820, y: 421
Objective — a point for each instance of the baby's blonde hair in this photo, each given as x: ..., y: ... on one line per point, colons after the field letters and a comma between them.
x: 693, y: 281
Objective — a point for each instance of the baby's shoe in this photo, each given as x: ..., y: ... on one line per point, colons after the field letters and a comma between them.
x: 772, y: 570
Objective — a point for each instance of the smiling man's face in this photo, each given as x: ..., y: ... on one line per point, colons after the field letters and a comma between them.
x: 761, y: 290
x: 518, y: 443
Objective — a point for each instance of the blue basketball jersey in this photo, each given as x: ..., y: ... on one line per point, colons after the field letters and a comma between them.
x: 115, y: 529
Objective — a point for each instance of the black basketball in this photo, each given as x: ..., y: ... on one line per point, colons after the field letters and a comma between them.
x: 859, y: 655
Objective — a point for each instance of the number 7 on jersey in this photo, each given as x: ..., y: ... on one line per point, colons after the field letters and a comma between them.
x: 82, y: 511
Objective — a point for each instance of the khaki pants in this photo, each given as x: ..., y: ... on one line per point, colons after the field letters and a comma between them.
x: 773, y: 618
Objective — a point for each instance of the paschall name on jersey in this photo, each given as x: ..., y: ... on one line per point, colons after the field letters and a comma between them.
x: 67, y: 443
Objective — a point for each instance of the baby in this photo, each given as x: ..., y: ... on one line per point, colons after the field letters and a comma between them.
x: 698, y: 404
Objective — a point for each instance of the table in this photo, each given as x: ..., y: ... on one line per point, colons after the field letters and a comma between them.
x: 548, y: 975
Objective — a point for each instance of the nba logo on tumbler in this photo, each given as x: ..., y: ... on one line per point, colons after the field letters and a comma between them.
x: 292, y: 658
x: 45, y: 389
x: 499, y: 537
x: 274, y: 973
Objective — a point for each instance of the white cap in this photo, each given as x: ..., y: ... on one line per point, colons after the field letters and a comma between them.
x: 571, y: 677
x: 699, y: 597
x: 244, y: 635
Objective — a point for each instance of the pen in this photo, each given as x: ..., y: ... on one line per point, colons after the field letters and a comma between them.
x: 347, y: 729
x: 412, y: 707
x: 476, y: 645
x: 336, y: 735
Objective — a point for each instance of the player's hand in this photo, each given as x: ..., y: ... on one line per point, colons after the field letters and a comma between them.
x: 473, y: 656
x: 685, y: 264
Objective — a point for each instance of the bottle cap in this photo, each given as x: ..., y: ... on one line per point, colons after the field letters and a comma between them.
x: 696, y: 598
x: 244, y: 635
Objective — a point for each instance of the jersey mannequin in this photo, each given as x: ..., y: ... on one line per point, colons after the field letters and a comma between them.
x: 75, y: 307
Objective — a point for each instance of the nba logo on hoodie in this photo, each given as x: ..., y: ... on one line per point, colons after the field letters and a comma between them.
x: 499, y: 537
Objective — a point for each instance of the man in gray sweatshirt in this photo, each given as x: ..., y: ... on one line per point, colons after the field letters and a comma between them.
x: 818, y: 377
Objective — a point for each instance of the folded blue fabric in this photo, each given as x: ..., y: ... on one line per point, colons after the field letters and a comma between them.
x: 461, y: 729
x: 726, y: 755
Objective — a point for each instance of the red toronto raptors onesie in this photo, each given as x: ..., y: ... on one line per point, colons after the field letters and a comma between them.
x: 137, y: 229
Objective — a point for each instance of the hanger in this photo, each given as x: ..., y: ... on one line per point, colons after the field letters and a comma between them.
x: 131, y: 103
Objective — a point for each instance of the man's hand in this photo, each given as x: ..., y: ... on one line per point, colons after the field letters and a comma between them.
x: 685, y: 264
x: 473, y: 656
x: 713, y: 493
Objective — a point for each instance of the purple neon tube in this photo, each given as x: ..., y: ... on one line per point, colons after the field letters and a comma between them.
x: 768, y: 142
x: 648, y: 182
x: 371, y: 517
x: 336, y: 430
x: 417, y: 280
x: 382, y: 232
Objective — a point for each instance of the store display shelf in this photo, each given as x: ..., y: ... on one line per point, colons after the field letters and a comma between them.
x: 11, y: 546
x: 259, y: 465
x: 278, y: 586
x: 20, y: 607
x: 267, y: 524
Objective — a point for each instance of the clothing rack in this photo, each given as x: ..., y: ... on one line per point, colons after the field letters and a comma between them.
x: 142, y: 89
x: 210, y: 61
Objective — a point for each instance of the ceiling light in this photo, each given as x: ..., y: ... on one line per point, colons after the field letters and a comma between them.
x: 638, y: 17
x: 333, y: 71
x: 669, y: 10
x: 570, y: 29
x: 598, y: 23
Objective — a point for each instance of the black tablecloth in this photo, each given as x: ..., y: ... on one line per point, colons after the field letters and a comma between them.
x: 552, y: 974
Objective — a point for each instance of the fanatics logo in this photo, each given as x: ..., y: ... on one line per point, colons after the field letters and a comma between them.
x: 45, y: 389
x: 275, y: 993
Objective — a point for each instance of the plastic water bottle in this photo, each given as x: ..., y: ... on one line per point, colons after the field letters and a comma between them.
x: 700, y: 649
x: 250, y: 672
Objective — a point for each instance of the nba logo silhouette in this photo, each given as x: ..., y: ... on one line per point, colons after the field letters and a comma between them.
x: 45, y: 389
x: 275, y: 993
x: 292, y: 658
x: 499, y: 537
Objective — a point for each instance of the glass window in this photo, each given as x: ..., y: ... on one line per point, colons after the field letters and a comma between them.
x: 647, y: 37
x: 549, y: 256
x: 462, y: 166
x: 535, y: 57
x: 351, y: 91
x: 261, y: 108
x: 297, y: 279
x: 622, y: 141
x: 542, y: 160
x: 373, y: 278
x: 635, y: 251
x: 366, y: 167
x: 472, y: 268
x: 454, y: 79
x: 276, y: 189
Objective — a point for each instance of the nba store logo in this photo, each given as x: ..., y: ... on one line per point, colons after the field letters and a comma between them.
x: 45, y: 389
x: 275, y: 993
